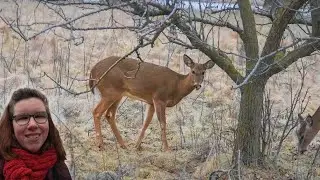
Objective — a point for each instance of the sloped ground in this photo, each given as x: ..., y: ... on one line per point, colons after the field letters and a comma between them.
x: 200, y: 127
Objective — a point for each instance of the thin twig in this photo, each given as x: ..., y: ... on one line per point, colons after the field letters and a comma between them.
x: 253, y: 71
x: 239, y: 165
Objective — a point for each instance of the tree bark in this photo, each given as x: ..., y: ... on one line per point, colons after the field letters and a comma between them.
x: 247, y: 139
x: 315, y: 14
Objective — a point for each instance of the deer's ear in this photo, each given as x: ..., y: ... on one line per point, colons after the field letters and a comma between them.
x: 209, y: 64
x: 309, y: 120
x: 188, y: 61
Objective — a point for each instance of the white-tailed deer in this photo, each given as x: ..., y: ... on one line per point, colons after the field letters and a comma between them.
x: 158, y: 86
x: 307, y: 130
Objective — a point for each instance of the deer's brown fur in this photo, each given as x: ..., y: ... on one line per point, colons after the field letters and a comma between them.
x: 158, y: 86
x: 307, y: 130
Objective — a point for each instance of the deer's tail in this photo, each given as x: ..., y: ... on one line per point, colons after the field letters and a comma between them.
x: 91, y: 83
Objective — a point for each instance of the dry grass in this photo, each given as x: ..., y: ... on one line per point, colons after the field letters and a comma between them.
x: 200, y: 127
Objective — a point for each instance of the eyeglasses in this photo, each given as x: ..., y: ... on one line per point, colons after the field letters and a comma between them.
x: 24, y: 119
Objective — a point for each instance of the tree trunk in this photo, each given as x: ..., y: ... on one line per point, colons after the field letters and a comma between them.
x: 247, y: 141
x: 315, y: 14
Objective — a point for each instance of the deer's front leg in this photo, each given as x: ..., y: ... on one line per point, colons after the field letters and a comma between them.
x: 160, y: 107
x: 145, y: 125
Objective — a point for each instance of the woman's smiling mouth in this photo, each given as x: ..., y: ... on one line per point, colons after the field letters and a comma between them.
x: 32, y: 136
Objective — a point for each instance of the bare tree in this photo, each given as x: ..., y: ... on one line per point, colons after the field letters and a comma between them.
x: 196, y: 22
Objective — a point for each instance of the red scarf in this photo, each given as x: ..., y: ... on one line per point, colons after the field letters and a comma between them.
x: 29, y: 166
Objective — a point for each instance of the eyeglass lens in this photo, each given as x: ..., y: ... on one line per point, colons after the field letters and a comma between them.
x: 23, y: 119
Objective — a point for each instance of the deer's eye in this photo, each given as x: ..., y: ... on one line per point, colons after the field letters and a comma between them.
x: 202, y: 73
x: 193, y: 72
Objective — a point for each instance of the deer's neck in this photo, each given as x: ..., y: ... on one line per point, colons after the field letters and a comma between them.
x: 185, y: 86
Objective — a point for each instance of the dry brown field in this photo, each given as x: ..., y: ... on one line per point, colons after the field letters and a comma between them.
x: 200, y: 128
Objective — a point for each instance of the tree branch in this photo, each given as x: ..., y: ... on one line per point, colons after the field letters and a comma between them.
x: 278, y: 27
x: 254, y: 70
x: 302, y: 51
x: 221, y: 60
x: 250, y: 38
x: 294, y: 20
x: 18, y: 31
x: 218, y: 23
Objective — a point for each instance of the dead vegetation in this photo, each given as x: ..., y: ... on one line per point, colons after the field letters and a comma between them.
x: 200, y: 128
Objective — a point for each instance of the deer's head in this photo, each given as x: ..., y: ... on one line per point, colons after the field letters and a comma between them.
x: 197, y: 70
x: 305, y: 132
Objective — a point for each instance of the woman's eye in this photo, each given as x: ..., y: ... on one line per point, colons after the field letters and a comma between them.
x: 19, y: 118
x: 41, y: 115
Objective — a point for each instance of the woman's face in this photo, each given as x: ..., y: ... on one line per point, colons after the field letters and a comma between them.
x: 31, y: 136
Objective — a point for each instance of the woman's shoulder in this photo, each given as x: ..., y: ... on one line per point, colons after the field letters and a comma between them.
x: 62, y: 170
x: 59, y: 171
x: 1, y: 162
x: 1, y: 167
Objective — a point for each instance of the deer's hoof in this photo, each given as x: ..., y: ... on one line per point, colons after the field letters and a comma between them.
x: 101, y: 148
x: 100, y: 145
x: 167, y: 149
x: 138, y: 147
x: 123, y: 146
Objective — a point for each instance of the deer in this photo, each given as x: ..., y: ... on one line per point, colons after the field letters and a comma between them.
x: 158, y: 86
x: 307, y: 130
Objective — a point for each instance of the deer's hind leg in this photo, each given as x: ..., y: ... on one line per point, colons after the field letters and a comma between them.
x: 110, y: 116
x: 98, y: 111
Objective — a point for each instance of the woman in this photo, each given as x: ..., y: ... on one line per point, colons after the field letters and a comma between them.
x: 30, y: 145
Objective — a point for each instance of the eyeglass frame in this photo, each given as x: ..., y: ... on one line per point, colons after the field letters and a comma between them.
x: 33, y: 116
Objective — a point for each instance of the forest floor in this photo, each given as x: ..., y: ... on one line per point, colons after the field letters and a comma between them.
x: 200, y: 129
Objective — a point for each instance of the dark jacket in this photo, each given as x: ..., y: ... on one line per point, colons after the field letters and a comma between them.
x: 59, y: 171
